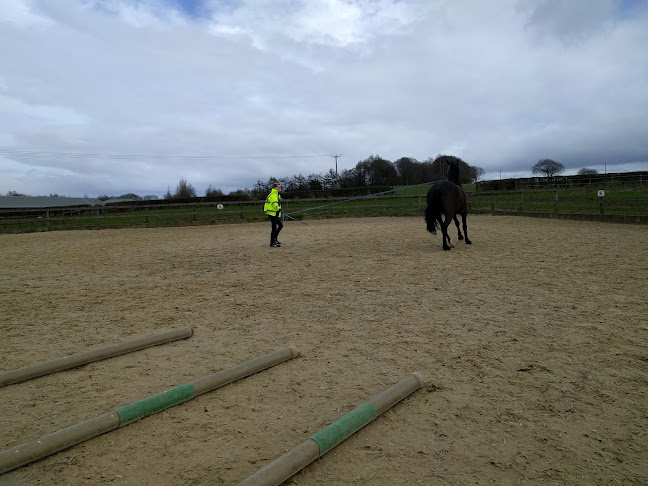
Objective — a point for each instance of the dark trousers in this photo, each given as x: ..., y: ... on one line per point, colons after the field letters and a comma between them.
x: 276, y: 228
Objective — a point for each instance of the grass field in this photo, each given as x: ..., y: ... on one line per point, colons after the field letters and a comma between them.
x: 621, y: 201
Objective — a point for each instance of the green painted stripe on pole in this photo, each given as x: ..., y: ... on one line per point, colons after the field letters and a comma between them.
x: 339, y: 430
x: 147, y: 406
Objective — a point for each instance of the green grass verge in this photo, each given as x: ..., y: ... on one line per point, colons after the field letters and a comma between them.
x: 617, y: 201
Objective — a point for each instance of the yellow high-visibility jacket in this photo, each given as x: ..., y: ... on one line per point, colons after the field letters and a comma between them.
x: 272, y: 206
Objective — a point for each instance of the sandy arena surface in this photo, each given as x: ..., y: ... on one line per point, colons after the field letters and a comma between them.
x: 533, y: 342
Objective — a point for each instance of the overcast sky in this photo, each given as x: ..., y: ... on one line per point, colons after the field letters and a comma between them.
x: 113, y: 96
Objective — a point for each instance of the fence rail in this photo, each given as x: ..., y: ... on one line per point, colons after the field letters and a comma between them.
x: 175, y: 214
x: 583, y: 204
x: 553, y: 203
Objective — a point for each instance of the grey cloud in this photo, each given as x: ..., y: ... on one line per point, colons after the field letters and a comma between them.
x: 570, y: 21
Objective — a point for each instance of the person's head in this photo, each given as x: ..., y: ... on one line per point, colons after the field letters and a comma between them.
x: 276, y: 186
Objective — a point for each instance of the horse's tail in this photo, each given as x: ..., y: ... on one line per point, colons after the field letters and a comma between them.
x: 431, y: 218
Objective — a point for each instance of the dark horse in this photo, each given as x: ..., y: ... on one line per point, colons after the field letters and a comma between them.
x: 447, y: 198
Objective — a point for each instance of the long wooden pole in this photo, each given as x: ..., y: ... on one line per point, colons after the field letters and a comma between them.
x: 57, y: 441
x: 323, y: 441
x: 72, y: 361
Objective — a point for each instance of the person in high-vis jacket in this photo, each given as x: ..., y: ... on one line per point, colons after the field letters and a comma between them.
x: 272, y: 208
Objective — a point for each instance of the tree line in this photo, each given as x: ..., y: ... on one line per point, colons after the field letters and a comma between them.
x: 374, y: 171
x: 551, y: 168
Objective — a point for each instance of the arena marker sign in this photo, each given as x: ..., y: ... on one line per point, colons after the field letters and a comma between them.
x: 323, y: 441
x: 21, y: 455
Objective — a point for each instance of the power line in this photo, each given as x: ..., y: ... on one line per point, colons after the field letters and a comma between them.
x: 84, y: 155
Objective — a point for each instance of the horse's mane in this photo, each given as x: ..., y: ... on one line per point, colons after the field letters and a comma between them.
x: 453, y: 173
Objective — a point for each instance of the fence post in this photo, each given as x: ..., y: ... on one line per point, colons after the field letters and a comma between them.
x: 493, y: 203
x: 98, y: 217
x: 47, y: 221
x: 521, y: 199
x: 601, y: 201
x: 555, y: 200
x: 241, y: 210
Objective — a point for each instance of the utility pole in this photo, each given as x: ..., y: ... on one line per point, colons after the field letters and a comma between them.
x: 336, y: 157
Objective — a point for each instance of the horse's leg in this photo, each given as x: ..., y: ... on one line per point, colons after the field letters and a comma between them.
x: 460, y: 237
x: 450, y: 242
x: 465, y: 227
x: 447, y: 242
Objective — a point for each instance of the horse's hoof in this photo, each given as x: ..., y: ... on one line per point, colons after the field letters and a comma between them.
x: 447, y: 249
x: 468, y: 242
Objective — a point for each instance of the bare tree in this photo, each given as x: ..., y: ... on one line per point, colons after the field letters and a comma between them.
x: 213, y: 192
x: 586, y: 172
x: 184, y: 189
x: 476, y: 173
x: 408, y: 170
x: 241, y: 195
x: 548, y: 167
x: 376, y: 171
x: 442, y: 162
x: 330, y: 180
